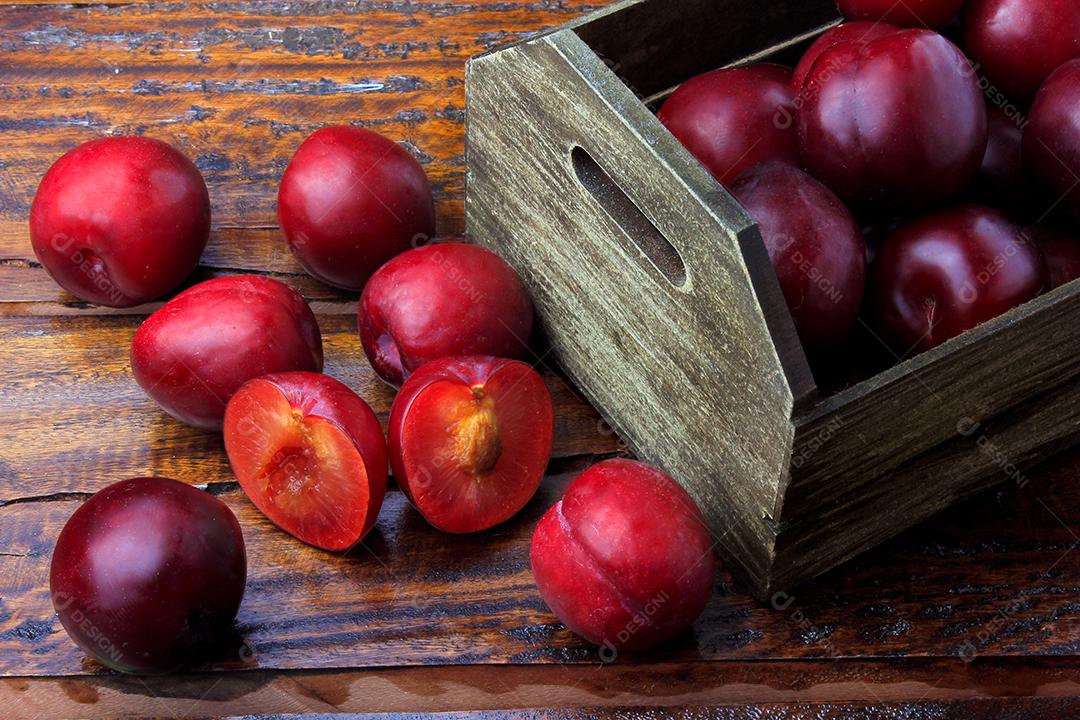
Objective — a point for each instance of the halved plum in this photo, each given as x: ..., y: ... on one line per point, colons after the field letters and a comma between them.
x: 469, y: 440
x: 310, y: 454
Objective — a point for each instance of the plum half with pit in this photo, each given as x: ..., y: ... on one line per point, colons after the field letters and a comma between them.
x: 148, y: 574
x: 469, y: 440
x: 949, y: 272
x: 895, y: 123
x: 350, y: 200
x: 199, y: 348
x: 121, y: 220
x: 733, y: 118
x: 310, y: 454
x: 442, y: 300
x: 816, y: 248
x: 625, y: 558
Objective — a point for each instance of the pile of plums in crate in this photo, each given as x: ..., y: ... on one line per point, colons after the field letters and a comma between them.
x: 149, y: 573
x: 908, y: 186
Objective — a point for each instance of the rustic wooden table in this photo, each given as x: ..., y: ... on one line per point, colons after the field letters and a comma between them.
x: 974, y: 615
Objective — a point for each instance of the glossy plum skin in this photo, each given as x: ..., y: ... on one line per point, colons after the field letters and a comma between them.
x: 148, y: 574
x: 932, y: 14
x: 949, y: 272
x: 310, y: 454
x: 1060, y: 250
x: 857, y: 31
x: 198, y: 349
x: 815, y: 245
x: 898, y: 122
x: 1001, y: 181
x: 624, y: 559
x: 121, y: 220
x: 469, y: 440
x: 441, y: 300
x: 1018, y: 43
x: 733, y: 118
x: 349, y: 201
x: 1051, y: 146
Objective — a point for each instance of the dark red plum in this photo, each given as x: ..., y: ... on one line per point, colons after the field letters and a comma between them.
x: 948, y: 272
x: 624, y: 559
x: 897, y: 122
x: 1060, y: 251
x: 442, y: 300
x: 859, y: 32
x: 121, y: 220
x: 1001, y: 181
x: 349, y: 201
x: 194, y: 353
x: 734, y: 118
x: 148, y: 574
x: 1052, y: 139
x: 815, y: 245
x: 1018, y: 43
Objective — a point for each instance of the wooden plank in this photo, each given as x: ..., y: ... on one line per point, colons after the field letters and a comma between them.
x: 997, y: 450
x: 254, y: 249
x: 237, y: 86
x: 408, y: 595
x: 242, y: 144
x: 25, y: 284
x: 995, y: 578
x: 853, y: 438
x: 847, y: 689
x: 978, y: 709
x: 74, y: 420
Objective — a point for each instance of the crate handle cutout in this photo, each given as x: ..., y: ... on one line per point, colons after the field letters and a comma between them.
x: 617, y: 204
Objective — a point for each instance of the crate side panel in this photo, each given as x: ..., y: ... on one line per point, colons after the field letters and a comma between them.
x: 857, y: 436
x: 992, y: 452
x: 687, y: 374
x: 655, y: 44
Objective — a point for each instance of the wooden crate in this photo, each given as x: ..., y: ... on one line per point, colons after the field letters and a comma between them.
x: 657, y: 294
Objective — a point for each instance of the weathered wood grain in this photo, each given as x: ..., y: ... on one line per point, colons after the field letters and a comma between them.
x: 74, y: 420
x: 873, y: 460
x: 250, y: 249
x: 996, y: 578
x: 237, y: 86
x: 848, y: 689
x: 30, y: 291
